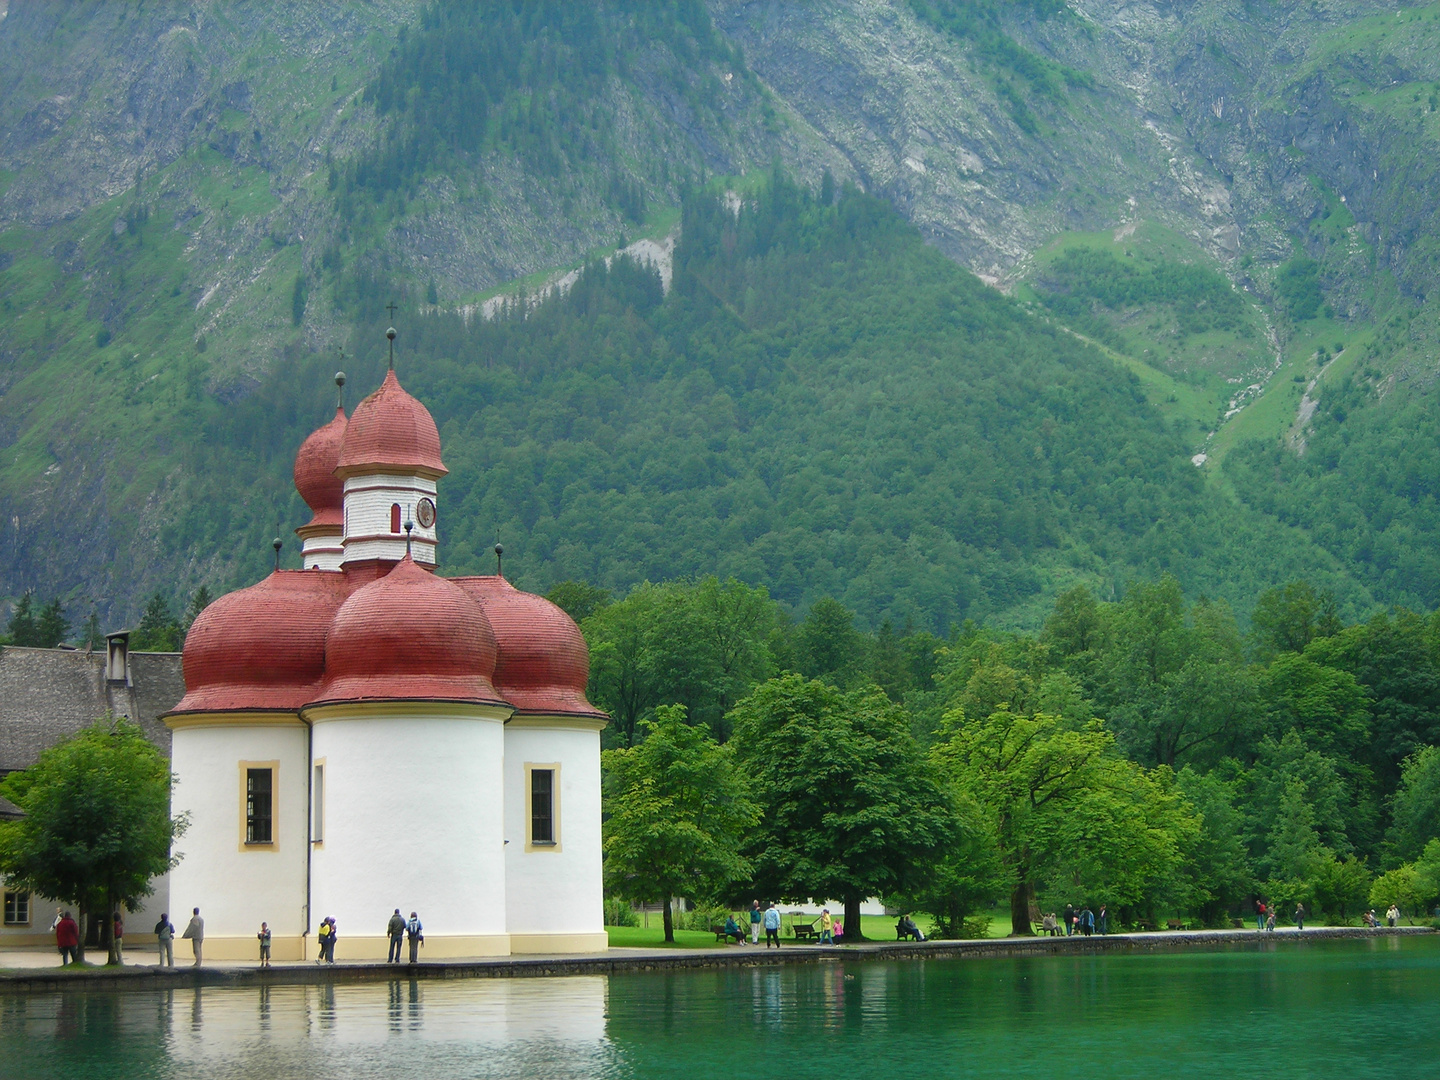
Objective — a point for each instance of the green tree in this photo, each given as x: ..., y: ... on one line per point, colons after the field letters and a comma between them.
x: 1401, y: 887
x: 1415, y: 806
x: 701, y: 644
x: 1288, y: 618
x: 96, y: 829
x: 159, y: 630
x: 1173, y: 684
x: 1218, y: 865
x: 828, y: 647
x: 1427, y: 873
x: 676, y: 808
x: 22, y: 622
x: 1066, y: 808
x: 51, y: 626
x: 199, y: 601
x: 966, y: 879
x: 851, y: 808
x: 1340, y: 887
x: 578, y: 599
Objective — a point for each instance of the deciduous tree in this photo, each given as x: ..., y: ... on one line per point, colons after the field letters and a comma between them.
x: 96, y: 829
x: 676, y: 809
x: 851, y: 808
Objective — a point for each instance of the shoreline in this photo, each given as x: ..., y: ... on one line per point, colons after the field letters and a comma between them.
x: 628, y: 961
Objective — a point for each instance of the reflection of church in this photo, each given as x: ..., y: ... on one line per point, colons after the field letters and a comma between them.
x: 363, y: 734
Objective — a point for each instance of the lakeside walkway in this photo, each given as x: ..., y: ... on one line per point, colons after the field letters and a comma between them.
x: 37, y: 968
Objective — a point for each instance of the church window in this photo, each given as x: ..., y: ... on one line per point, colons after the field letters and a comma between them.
x: 542, y: 797
x: 394, y: 517
x: 17, y: 908
x: 317, y: 803
x: 259, y: 819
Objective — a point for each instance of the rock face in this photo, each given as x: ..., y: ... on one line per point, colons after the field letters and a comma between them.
x: 168, y: 180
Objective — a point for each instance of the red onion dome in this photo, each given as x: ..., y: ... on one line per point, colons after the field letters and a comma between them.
x: 544, y: 665
x: 390, y: 429
x: 261, y: 647
x: 315, y: 477
x: 410, y: 636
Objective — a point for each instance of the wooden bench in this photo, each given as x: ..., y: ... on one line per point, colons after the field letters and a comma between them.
x: 1175, y: 924
x: 721, y: 934
x: 1145, y: 925
x: 804, y: 931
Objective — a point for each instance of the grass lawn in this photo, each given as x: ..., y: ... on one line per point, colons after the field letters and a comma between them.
x: 875, y: 927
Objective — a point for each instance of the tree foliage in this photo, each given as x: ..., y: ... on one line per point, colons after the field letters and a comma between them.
x: 96, y: 829
x: 849, y: 807
x: 676, y: 808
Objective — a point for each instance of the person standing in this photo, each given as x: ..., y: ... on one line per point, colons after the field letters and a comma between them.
x: 1087, y: 921
x: 1392, y: 916
x: 1299, y: 916
x: 827, y: 927
x: 330, y: 941
x: 264, y: 938
x: 165, y: 941
x: 772, y: 926
x: 1259, y: 914
x: 195, y: 931
x: 67, y: 937
x: 119, y: 927
x: 1103, y: 922
x: 396, y: 930
x: 416, y: 933
x: 755, y: 918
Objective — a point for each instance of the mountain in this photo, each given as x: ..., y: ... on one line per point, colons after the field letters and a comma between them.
x: 1207, y: 225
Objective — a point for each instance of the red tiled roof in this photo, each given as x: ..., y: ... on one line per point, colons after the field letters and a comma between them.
x: 409, y: 636
x: 261, y: 647
x: 390, y: 428
x: 315, y: 464
x: 544, y: 665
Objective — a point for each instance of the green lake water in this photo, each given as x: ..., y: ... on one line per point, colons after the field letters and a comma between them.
x: 1351, y: 1009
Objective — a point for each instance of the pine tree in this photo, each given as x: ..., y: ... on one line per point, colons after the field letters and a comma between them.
x: 199, y: 601
x: 22, y: 622
x: 51, y: 628
x: 159, y: 631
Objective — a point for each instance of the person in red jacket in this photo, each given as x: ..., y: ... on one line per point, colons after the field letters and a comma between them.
x: 67, y: 937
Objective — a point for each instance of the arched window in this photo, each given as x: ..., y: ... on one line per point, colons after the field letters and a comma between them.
x: 395, y: 517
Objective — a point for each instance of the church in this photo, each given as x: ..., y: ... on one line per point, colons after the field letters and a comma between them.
x: 362, y: 734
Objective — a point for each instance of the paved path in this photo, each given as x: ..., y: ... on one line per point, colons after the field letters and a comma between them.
x: 37, y: 968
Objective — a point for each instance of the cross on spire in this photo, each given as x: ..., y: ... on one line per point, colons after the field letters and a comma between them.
x: 390, y: 307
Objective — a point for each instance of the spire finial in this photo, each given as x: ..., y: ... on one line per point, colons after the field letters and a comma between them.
x: 499, y: 551
x: 409, y: 527
x: 390, y: 334
x: 277, y: 544
x: 340, y: 384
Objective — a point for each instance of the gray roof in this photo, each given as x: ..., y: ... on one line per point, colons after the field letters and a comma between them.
x: 46, y: 695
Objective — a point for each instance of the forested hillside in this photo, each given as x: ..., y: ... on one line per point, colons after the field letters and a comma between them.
x: 1211, y: 221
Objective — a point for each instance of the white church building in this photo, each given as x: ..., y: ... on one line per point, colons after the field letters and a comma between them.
x: 363, y: 734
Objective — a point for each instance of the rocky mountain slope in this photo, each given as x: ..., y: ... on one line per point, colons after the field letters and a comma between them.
x: 197, y: 198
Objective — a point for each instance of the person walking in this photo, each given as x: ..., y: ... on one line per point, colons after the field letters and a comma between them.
x: 119, y: 928
x: 330, y: 941
x: 1259, y: 914
x: 1069, y: 919
x: 264, y: 938
x: 1392, y: 916
x: 396, y: 929
x: 67, y: 938
x: 416, y: 933
x: 195, y: 931
x: 1087, y: 921
x: 827, y: 927
x: 165, y: 941
x: 1299, y: 916
x: 755, y: 918
x: 1103, y: 922
x: 772, y: 926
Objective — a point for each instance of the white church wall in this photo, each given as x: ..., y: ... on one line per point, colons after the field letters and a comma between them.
x: 413, y: 809
x: 235, y: 884
x: 554, y: 896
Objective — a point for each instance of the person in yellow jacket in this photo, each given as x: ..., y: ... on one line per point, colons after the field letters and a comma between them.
x: 827, y: 927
